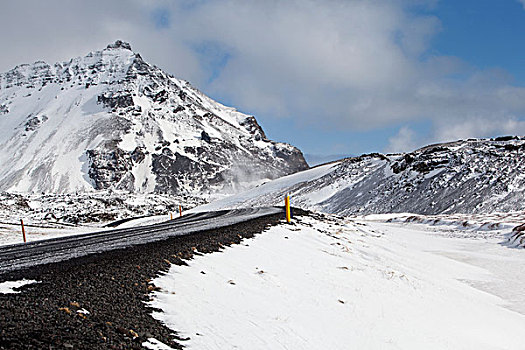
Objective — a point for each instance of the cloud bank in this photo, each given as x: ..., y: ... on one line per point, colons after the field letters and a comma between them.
x: 346, y: 65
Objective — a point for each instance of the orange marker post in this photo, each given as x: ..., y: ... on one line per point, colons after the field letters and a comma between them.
x: 171, y: 215
x: 23, y: 230
x: 180, y: 210
x: 287, y: 208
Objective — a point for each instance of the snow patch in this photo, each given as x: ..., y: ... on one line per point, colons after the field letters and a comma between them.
x: 155, y: 344
x: 9, y: 287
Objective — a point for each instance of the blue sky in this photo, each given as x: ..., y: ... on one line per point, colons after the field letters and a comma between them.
x: 331, y: 77
x: 485, y: 33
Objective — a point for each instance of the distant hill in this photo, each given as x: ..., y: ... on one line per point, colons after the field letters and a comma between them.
x: 472, y: 176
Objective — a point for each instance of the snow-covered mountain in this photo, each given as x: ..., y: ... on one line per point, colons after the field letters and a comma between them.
x: 472, y: 176
x: 110, y: 120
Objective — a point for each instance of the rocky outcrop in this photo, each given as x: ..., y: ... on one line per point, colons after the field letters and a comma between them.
x: 114, y: 100
x: 110, y: 168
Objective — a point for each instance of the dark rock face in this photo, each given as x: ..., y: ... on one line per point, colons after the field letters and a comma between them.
x: 205, y: 137
x: 173, y: 170
x: 254, y: 128
x: 178, y: 109
x: 138, y: 155
x: 108, y: 168
x: 115, y: 100
x: 119, y: 44
x: 506, y: 138
x: 160, y: 96
x: 293, y: 158
x: 34, y: 122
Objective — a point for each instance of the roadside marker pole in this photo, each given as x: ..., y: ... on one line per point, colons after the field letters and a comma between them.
x: 287, y: 207
x: 171, y: 215
x: 180, y: 210
x: 23, y: 230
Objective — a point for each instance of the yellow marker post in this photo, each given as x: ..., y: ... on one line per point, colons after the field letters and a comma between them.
x: 171, y: 215
x: 287, y: 208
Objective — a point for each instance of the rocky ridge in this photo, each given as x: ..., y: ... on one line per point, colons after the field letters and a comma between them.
x: 466, y: 176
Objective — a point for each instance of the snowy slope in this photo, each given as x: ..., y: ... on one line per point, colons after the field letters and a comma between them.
x: 269, y: 192
x: 110, y: 120
x: 328, y: 283
x: 473, y: 176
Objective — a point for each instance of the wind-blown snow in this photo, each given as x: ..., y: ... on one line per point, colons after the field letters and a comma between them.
x: 343, y: 284
x: 270, y: 188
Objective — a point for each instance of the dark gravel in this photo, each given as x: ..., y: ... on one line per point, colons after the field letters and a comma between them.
x: 112, y: 286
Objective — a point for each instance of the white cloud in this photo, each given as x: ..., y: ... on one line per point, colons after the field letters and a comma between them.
x: 57, y: 30
x: 480, y: 126
x: 350, y: 64
x: 331, y: 59
x: 403, y: 141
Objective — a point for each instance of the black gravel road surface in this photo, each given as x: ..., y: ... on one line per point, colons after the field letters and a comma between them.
x: 113, y: 286
x: 17, y: 256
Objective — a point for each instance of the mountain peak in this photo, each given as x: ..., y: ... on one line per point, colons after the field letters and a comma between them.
x: 119, y: 44
x: 110, y: 120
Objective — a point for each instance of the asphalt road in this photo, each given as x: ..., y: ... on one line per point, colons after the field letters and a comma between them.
x: 18, y: 256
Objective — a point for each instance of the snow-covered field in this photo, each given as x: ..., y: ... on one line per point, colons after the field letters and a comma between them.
x: 49, y: 216
x: 12, y: 233
x: 362, y: 283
